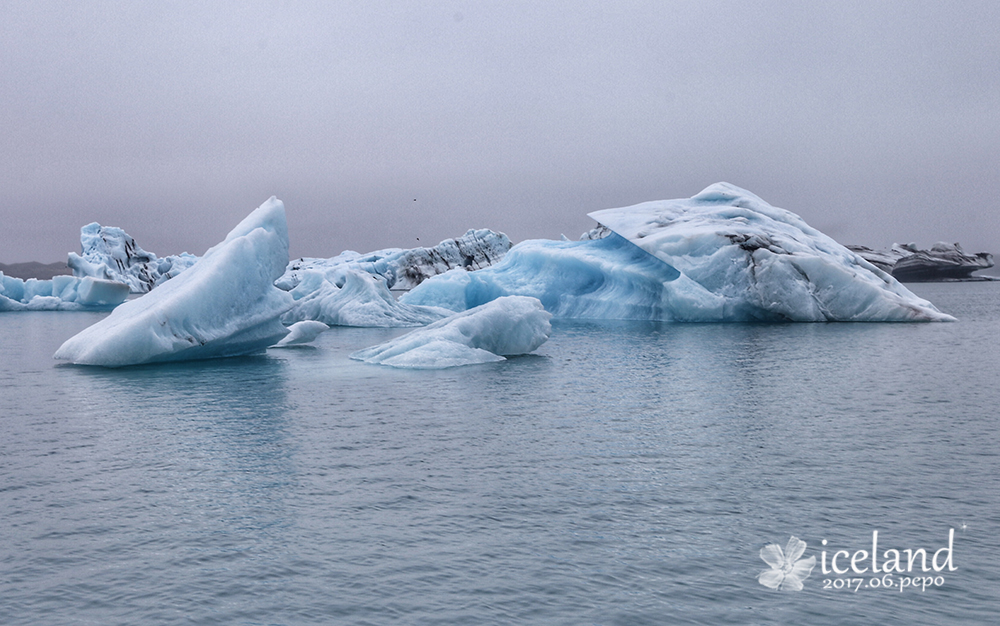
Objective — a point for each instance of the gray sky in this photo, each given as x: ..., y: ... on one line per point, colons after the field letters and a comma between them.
x: 378, y: 123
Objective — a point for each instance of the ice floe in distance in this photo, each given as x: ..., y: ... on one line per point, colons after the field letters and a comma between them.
x: 944, y: 261
x: 61, y: 293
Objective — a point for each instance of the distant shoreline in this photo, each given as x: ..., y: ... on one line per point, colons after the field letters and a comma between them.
x: 45, y: 271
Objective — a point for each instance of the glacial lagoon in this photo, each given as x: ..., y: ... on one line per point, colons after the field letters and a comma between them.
x: 625, y: 473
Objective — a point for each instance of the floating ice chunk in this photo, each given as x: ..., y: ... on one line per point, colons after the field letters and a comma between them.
x: 724, y: 255
x: 226, y: 304
x: 504, y: 327
x: 96, y: 292
x: 405, y: 269
x: 110, y: 253
x: 354, y: 298
x: 61, y: 293
x: 301, y: 333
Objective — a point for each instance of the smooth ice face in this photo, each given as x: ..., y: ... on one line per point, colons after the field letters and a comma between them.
x: 110, y: 253
x: 226, y: 304
x: 61, y: 293
x: 724, y: 255
x: 354, y: 298
x: 506, y: 326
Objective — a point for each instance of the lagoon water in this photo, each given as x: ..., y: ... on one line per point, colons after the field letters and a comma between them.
x: 629, y: 473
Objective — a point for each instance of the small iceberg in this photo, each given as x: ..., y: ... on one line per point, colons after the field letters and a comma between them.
x: 301, y: 333
x: 506, y: 326
x: 61, y: 293
x: 723, y: 255
x: 226, y: 304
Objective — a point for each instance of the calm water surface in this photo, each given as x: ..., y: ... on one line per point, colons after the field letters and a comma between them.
x: 629, y: 473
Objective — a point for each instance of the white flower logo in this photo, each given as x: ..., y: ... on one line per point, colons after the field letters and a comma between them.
x: 787, y: 570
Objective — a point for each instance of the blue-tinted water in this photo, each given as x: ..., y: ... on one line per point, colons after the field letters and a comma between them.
x: 628, y: 474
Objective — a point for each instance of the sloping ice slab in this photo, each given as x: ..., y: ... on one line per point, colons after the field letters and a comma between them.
x: 226, y: 304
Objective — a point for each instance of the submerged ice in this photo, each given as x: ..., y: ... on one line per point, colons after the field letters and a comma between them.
x: 226, y: 304
x: 723, y: 255
x: 506, y: 326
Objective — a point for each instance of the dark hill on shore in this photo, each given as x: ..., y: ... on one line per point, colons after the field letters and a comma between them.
x: 34, y: 269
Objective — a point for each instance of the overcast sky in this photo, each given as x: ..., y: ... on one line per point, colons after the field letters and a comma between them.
x: 379, y: 123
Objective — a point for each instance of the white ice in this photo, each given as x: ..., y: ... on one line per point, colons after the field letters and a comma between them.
x: 301, y: 333
x: 226, y: 304
x: 724, y: 255
x: 406, y: 268
x: 61, y: 293
x: 110, y: 253
x: 350, y: 297
x: 506, y: 326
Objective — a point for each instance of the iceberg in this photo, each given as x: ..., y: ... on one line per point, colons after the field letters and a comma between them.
x: 724, y: 255
x: 301, y: 333
x: 407, y: 268
x: 61, y: 293
x: 506, y: 326
x: 350, y: 297
x: 226, y: 304
x: 944, y: 261
x: 110, y: 253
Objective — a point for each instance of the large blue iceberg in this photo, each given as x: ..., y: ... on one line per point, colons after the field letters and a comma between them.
x: 226, y: 304
x: 723, y: 255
